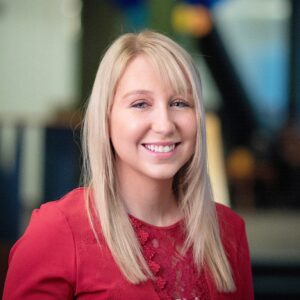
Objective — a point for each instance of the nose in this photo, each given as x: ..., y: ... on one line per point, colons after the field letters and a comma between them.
x: 163, y: 122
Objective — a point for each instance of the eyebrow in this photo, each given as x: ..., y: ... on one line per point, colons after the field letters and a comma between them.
x: 137, y: 92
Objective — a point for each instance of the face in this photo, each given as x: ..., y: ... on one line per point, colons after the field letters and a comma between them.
x: 152, y: 129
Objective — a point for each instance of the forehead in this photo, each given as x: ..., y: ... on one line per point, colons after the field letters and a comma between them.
x: 139, y: 73
x: 146, y: 70
x: 137, y: 67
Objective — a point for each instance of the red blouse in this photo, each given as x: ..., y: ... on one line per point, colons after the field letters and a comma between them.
x: 176, y: 276
x: 59, y: 258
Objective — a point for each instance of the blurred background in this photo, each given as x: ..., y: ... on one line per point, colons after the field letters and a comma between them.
x: 248, y: 54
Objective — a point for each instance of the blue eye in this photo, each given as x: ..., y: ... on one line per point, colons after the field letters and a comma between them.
x: 180, y: 103
x: 141, y: 104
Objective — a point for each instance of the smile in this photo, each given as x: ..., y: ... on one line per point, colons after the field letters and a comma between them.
x: 159, y: 148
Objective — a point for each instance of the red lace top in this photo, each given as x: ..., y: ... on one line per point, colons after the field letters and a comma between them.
x: 176, y: 276
x: 58, y: 258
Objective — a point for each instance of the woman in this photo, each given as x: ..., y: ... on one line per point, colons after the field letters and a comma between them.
x: 145, y: 226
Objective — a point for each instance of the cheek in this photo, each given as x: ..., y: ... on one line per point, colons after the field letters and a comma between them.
x: 195, y: 132
x: 114, y: 130
x: 190, y: 126
x: 125, y: 128
x: 192, y: 134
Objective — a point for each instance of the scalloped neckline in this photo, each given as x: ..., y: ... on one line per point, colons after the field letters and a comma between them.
x: 172, y: 226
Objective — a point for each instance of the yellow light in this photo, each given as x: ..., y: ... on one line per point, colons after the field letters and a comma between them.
x: 191, y: 19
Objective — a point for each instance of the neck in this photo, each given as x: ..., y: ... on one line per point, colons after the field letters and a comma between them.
x: 147, y: 199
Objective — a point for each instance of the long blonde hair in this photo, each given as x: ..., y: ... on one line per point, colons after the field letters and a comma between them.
x: 191, y: 183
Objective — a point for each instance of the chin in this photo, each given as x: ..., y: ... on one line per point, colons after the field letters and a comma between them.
x: 163, y: 175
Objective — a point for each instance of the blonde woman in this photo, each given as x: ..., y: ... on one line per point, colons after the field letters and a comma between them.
x: 145, y: 225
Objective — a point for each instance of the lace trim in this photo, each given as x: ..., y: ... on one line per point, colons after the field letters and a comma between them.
x: 175, y: 276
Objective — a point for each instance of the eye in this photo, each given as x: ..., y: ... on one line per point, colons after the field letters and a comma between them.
x: 180, y: 103
x: 140, y: 104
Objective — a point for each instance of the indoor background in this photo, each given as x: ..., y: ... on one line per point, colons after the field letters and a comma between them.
x: 248, y: 55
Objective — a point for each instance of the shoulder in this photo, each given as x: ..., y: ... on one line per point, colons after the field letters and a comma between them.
x: 55, y: 219
x: 227, y: 217
x: 232, y: 227
x: 46, y: 253
x: 54, y: 223
x: 234, y: 238
x: 69, y: 205
x: 60, y: 220
x: 67, y: 211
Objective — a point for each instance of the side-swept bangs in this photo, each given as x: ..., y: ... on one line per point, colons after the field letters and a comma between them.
x: 191, y: 184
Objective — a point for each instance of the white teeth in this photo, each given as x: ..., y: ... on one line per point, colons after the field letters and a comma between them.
x: 160, y: 149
